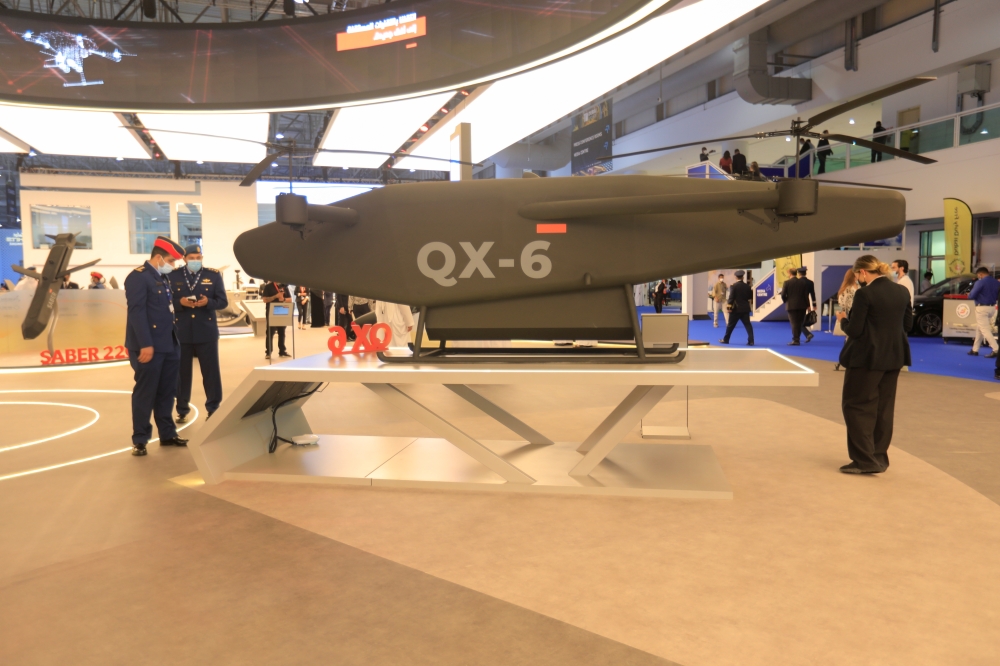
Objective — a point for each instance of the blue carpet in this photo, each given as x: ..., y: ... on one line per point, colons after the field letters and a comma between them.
x: 930, y: 355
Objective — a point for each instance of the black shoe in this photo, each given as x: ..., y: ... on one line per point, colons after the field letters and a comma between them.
x: 285, y: 355
x: 174, y: 441
x: 996, y: 377
x: 723, y: 342
x: 852, y: 468
x: 209, y: 416
x: 973, y: 353
x: 809, y: 337
x: 992, y: 354
x: 182, y: 418
x: 793, y: 343
x: 267, y: 357
x: 138, y: 450
x: 750, y: 344
x: 836, y: 367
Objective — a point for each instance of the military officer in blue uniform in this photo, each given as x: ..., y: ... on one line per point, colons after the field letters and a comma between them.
x: 198, y: 292
x: 153, y: 349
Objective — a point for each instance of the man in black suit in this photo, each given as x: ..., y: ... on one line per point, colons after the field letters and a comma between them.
x: 795, y: 295
x: 740, y: 302
x: 739, y: 162
x: 875, y: 350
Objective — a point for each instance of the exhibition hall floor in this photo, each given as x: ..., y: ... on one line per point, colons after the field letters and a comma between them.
x: 121, y: 560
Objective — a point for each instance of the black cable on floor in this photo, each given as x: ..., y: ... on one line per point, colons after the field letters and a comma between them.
x: 275, y: 438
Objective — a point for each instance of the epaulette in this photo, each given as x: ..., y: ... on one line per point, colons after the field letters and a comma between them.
x: 206, y: 268
x: 140, y: 268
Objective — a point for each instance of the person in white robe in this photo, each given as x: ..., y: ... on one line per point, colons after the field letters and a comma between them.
x: 400, y: 320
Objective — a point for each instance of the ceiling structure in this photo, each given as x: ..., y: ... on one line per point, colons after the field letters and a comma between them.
x: 186, y: 11
x: 664, y: 66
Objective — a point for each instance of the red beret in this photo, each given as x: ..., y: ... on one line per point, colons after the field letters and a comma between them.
x: 171, y: 248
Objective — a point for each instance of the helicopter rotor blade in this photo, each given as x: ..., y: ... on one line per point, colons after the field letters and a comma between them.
x: 137, y: 128
x: 387, y: 154
x: 759, y: 135
x: 847, y: 182
x: 878, y: 147
x: 262, y: 166
x: 866, y: 99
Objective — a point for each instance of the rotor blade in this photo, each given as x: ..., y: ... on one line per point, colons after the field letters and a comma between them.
x: 261, y: 167
x: 759, y: 135
x: 137, y: 128
x: 847, y: 182
x: 387, y: 154
x: 889, y: 150
x: 80, y: 267
x: 865, y: 99
x: 651, y: 204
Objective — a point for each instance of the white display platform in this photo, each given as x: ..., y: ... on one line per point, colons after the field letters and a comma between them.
x: 233, y: 445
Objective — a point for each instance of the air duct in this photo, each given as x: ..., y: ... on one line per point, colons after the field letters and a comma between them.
x: 752, y: 80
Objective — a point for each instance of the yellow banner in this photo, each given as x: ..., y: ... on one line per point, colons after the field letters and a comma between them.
x: 958, y: 238
x: 781, y: 267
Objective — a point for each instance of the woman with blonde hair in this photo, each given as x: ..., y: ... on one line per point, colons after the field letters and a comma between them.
x: 845, y: 295
x: 874, y: 352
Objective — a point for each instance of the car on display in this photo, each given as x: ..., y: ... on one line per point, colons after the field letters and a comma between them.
x: 928, y: 306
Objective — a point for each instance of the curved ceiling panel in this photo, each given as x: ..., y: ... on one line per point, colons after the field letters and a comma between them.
x: 379, y: 53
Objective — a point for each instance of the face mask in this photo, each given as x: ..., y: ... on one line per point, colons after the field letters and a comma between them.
x: 194, y: 265
x: 165, y: 269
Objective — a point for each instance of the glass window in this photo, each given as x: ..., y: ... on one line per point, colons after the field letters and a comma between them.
x: 928, y: 138
x: 147, y: 220
x: 981, y: 126
x: 189, y: 223
x: 266, y: 213
x: 55, y: 220
x: 932, y: 255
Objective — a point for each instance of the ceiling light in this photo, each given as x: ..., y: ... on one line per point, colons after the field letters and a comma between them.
x: 424, y: 128
x: 119, y: 159
x: 985, y: 132
x: 274, y: 164
x: 788, y: 138
x: 201, y: 162
x: 345, y: 168
x: 210, y: 137
x: 509, y: 109
x: 444, y: 110
x: 413, y: 170
x: 67, y: 132
x: 31, y: 153
x: 379, y: 128
x: 279, y: 135
x: 851, y: 121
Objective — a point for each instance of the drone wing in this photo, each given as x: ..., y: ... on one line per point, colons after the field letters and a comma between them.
x: 29, y: 272
x: 651, y: 204
x: 80, y: 267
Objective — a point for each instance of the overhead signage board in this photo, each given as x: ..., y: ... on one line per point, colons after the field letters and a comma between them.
x: 383, y: 31
x: 317, y: 62
x: 591, y: 140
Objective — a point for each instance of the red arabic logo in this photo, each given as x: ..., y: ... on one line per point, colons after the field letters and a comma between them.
x: 368, y: 338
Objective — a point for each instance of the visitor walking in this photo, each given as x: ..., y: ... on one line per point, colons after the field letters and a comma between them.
x: 796, y: 294
x: 823, y: 151
x: 660, y: 295
x: 718, y: 293
x: 726, y: 163
x: 739, y: 163
x: 901, y: 267
x: 876, y: 154
x: 740, y: 307
x: 984, y: 294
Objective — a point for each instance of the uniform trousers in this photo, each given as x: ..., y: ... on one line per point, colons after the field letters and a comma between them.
x: 735, y: 317
x: 869, y: 404
x: 796, y: 317
x: 155, y: 388
x: 211, y: 377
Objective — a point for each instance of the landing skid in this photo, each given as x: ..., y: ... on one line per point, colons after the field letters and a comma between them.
x: 537, y: 355
x: 634, y: 355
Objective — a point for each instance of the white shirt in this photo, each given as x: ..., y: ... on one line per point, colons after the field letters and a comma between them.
x: 905, y: 281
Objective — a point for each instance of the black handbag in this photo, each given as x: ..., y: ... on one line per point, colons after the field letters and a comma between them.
x: 810, y: 319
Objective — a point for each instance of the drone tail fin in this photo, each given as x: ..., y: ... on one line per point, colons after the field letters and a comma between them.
x: 29, y: 272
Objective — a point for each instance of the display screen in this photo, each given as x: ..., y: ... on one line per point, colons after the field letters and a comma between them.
x: 279, y: 310
x: 402, y: 48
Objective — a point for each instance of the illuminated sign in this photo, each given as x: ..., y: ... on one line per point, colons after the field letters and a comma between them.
x: 368, y: 338
x: 383, y: 31
x: 66, y: 52
x: 83, y: 355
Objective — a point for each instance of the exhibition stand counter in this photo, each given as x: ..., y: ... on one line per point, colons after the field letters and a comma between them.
x: 235, y: 443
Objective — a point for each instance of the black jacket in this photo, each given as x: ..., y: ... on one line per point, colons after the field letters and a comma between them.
x: 876, y: 328
x: 741, y: 297
x: 796, y: 292
x: 739, y: 163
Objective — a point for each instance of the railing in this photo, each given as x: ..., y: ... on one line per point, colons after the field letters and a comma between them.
x: 707, y: 170
x: 958, y: 129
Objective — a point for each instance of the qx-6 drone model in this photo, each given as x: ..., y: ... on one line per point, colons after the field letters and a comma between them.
x: 557, y: 258
x: 67, y: 52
